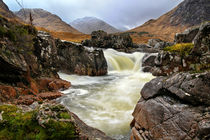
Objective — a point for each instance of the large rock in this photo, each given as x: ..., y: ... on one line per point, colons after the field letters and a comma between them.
x: 77, y: 59
x: 187, y: 36
x: 148, y: 62
x: 101, y: 39
x: 175, y: 108
x: 202, y: 41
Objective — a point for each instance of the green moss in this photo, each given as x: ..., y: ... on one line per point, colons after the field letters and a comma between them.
x: 60, y: 130
x: 182, y: 49
x: 17, y: 125
x: 64, y: 115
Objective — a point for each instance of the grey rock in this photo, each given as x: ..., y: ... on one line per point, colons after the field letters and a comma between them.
x: 187, y: 36
x: 175, y: 107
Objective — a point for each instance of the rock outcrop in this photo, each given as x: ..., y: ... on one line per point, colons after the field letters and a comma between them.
x: 77, y: 59
x: 175, y: 107
x: 101, y: 39
x: 184, y: 55
x: 30, y: 61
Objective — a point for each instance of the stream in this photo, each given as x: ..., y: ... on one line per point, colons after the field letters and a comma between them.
x: 107, y: 102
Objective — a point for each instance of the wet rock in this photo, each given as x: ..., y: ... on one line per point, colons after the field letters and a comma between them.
x: 175, y: 107
x: 7, y: 92
x: 49, y: 95
x: 187, y: 36
x: 148, y: 62
x: 52, y: 84
x: 101, y: 39
x: 92, y: 62
x: 26, y: 99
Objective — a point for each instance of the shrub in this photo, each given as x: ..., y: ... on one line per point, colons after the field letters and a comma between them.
x: 182, y: 49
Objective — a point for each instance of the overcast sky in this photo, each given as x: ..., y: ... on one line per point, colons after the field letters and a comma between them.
x: 119, y: 13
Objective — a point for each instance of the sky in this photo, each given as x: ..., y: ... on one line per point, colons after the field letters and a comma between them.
x: 119, y: 13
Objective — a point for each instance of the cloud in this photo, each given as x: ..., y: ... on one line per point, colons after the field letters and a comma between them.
x: 119, y: 13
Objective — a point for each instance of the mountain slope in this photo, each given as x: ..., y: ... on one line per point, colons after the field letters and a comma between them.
x: 89, y: 24
x: 4, y: 10
x: 186, y: 14
x: 46, y: 20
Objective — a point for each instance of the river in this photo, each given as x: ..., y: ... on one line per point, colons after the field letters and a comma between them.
x: 107, y: 102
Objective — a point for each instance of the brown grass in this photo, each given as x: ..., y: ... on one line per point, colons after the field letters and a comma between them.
x: 66, y: 35
x: 159, y: 28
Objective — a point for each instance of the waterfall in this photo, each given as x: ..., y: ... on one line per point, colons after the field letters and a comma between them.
x: 107, y: 102
x: 119, y: 61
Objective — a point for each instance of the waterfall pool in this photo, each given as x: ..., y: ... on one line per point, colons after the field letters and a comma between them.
x: 107, y: 102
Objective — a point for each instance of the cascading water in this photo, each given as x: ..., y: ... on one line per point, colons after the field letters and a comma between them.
x: 107, y: 102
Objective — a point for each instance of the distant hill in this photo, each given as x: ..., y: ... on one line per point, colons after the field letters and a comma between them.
x: 186, y: 14
x: 89, y: 24
x: 47, y: 20
x: 4, y: 10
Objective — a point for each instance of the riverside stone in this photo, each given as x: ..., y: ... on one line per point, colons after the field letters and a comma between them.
x: 174, y: 107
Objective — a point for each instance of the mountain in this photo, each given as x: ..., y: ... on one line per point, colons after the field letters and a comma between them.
x: 186, y: 14
x: 45, y: 19
x: 4, y: 10
x: 89, y: 24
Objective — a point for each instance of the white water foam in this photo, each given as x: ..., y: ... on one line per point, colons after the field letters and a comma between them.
x: 107, y: 102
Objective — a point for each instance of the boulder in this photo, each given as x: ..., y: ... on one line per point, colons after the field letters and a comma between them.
x: 187, y: 36
x: 101, y: 39
x: 162, y: 45
x: 76, y: 59
x: 148, y: 62
x: 202, y: 41
x: 153, y: 42
x: 175, y: 107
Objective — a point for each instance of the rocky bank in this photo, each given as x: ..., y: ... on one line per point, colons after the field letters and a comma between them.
x: 29, y: 62
x: 176, y: 105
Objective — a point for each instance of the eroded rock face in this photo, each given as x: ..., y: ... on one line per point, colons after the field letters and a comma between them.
x: 187, y: 36
x: 202, y: 43
x: 77, y: 59
x: 175, y: 107
x: 101, y: 39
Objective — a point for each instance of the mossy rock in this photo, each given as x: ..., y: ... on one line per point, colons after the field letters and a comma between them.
x: 19, y: 125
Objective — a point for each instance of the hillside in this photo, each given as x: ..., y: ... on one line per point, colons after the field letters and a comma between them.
x: 89, y: 24
x: 186, y: 14
x: 4, y: 10
x: 47, y: 20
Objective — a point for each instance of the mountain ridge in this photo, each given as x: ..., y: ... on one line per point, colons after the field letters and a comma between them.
x: 45, y: 19
x: 89, y: 24
x: 187, y: 14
